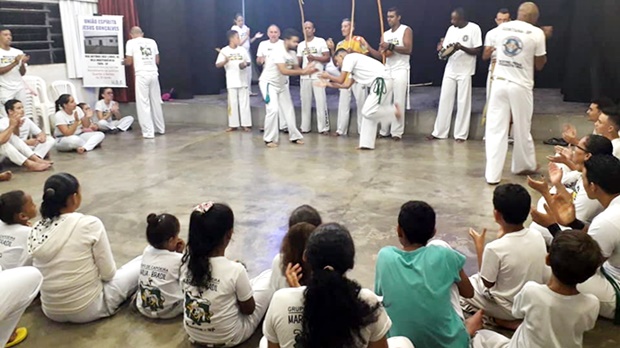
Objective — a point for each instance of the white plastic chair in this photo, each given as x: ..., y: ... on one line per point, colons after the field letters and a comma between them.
x: 64, y: 87
x: 43, y: 108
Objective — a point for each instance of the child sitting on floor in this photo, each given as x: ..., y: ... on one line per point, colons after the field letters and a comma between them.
x: 416, y: 282
x: 555, y: 315
x: 159, y: 292
x: 16, y: 211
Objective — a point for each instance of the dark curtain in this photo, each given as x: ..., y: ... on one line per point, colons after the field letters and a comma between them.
x: 127, y: 9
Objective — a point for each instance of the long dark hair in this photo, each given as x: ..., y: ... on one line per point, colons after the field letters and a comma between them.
x: 334, y: 315
x: 293, y: 246
x: 160, y: 228
x: 102, y: 91
x: 11, y: 204
x: 305, y: 213
x: 62, y: 101
x: 208, y: 226
x: 57, y: 189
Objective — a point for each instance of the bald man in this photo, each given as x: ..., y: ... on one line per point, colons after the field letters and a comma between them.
x: 143, y: 54
x: 520, y: 49
x: 313, y: 50
x: 264, y: 50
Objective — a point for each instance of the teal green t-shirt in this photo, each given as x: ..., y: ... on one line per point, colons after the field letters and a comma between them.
x: 416, y: 286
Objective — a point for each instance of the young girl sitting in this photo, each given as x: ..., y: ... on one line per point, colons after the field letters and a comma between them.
x: 16, y: 211
x: 107, y: 115
x: 80, y: 279
x: 294, y: 244
x: 332, y: 310
x: 73, y: 131
x: 159, y: 292
x: 223, y: 307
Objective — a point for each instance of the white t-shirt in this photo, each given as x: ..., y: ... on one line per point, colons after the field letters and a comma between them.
x: 516, y: 45
x: 159, y: 290
x: 489, y: 41
x: 512, y: 261
x: 279, y: 55
x: 283, y: 321
x: 103, y: 107
x: 616, y: 145
x: 211, y: 313
x: 62, y: 118
x: 12, y: 80
x: 396, y: 61
x: 605, y: 229
x: 278, y: 280
x: 144, y: 52
x: 363, y: 69
x: 13, y: 248
x: 316, y: 47
x: 244, y: 32
x: 265, y: 48
x: 551, y: 319
x: 28, y: 129
x: 461, y: 63
x: 235, y: 76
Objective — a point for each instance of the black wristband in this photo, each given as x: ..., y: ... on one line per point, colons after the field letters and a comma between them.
x: 577, y: 225
x: 391, y: 47
x: 554, y: 229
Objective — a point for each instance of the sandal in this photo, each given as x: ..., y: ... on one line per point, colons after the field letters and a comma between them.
x: 20, y: 335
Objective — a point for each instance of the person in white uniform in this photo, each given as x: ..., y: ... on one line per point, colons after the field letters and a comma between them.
x: 281, y: 62
x: 503, y: 16
x: 396, y: 45
x: 14, y: 148
x: 13, y: 63
x: 16, y: 210
x: 520, y: 48
x: 107, y: 115
x: 143, y: 54
x: 366, y: 71
x: 237, y: 63
x: 72, y: 129
x: 246, y: 42
x: 18, y: 288
x: 29, y: 132
x: 608, y: 125
x: 264, y: 50
x: 314, y: 50
x: 467, y: 39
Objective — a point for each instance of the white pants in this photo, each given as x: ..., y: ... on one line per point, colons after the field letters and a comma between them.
x: 394, y: 126
x: 344, y: 107
x: 122, y: 124
x: 18, y: 288
x: 489, y: 339
x: 451, y: 86
x: 42, y: 149
x: 488, y: 89
x: 148, y: 105
x: 16, y: 150
x: 307, y: 88
x: 249, y: 71
x: 279, y: 100
x: 507, y: 98
x: 393, y: 342
x: 239, y: 107
x: 261, y: 285
x: 88, y: 141
x: 483, y: 300
x: 115, y: 292
x: 375, y: 112
x: 6, y: 95
x: 283, y: 112
x: 600, y: 287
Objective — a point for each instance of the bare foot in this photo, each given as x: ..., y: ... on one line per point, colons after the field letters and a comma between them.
x: 298, y: 142
x: 530, y: 172
x: 231, y: 129
x: 432, y: 137
x: 6, y: 176
x: 460, y: 141
x: 247, y: 129
x: 40, y: 160
x: 336, y: 134
x: 363, y: 148
x: 271, y: 144
x: 325, y: 133
x: 508, y: 324
x: 36, y: 166
x: 81, y: 150
x: 474, y: 323
x: 397, y: 138
x: 398, y: 113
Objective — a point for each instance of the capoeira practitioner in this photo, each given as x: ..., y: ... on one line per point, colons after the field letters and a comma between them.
x: 264, y: 50
x: 503, y: 16
x: 378, y: 107
x: 467, y: 39
x: 13, y: 63
x: 28, y: 131
x: 18, y: 288
x: 246, y: 42
x: 314, y: 50
x: 359, y: 91
x: 397, y: 44
x: 282, y: 62
x: 235, y: 59
x: 520, y: 48
x: 144, y: 55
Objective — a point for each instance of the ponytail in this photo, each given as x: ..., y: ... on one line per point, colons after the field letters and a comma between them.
x: 56, y: 191
x: 62, y: 101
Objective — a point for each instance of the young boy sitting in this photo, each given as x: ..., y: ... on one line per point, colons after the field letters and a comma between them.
x: 416, y: 282
x: 507, y: 263
x: 555, y: 315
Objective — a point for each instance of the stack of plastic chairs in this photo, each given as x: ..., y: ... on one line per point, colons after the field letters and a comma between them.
x: 42, y: 108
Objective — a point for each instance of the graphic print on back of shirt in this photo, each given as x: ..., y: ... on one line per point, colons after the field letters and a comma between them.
x: 197, y: 309
x: 151, y: 296
x: 146, y: 51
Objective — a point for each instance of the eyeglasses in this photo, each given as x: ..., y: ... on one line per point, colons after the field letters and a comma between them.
x: 572, y: 147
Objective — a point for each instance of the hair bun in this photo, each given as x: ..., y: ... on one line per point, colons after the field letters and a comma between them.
x: 49, y: 193
x: 151, y: 219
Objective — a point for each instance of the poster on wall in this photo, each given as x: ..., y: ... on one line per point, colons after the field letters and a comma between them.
x: 103, y: 51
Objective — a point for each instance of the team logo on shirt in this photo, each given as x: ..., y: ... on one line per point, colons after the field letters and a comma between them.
x: 146, y: 51
x: 512, y: 46
x: 290, y: 63
x: 394, y: 41
x: 197, y: 309
x: 151, y: 296
x: 465, y: 38
x: 298, y: 342
x: 235, y: 56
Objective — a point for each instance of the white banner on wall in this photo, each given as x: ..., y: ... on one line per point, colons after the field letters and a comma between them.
x: 103, y: 50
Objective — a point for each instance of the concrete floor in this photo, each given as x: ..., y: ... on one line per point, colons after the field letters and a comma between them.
x: 129, y: 178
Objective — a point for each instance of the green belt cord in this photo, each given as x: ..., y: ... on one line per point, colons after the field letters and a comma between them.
x: 378, y: 87
x: 617, y: 290
x: 267, y: 99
